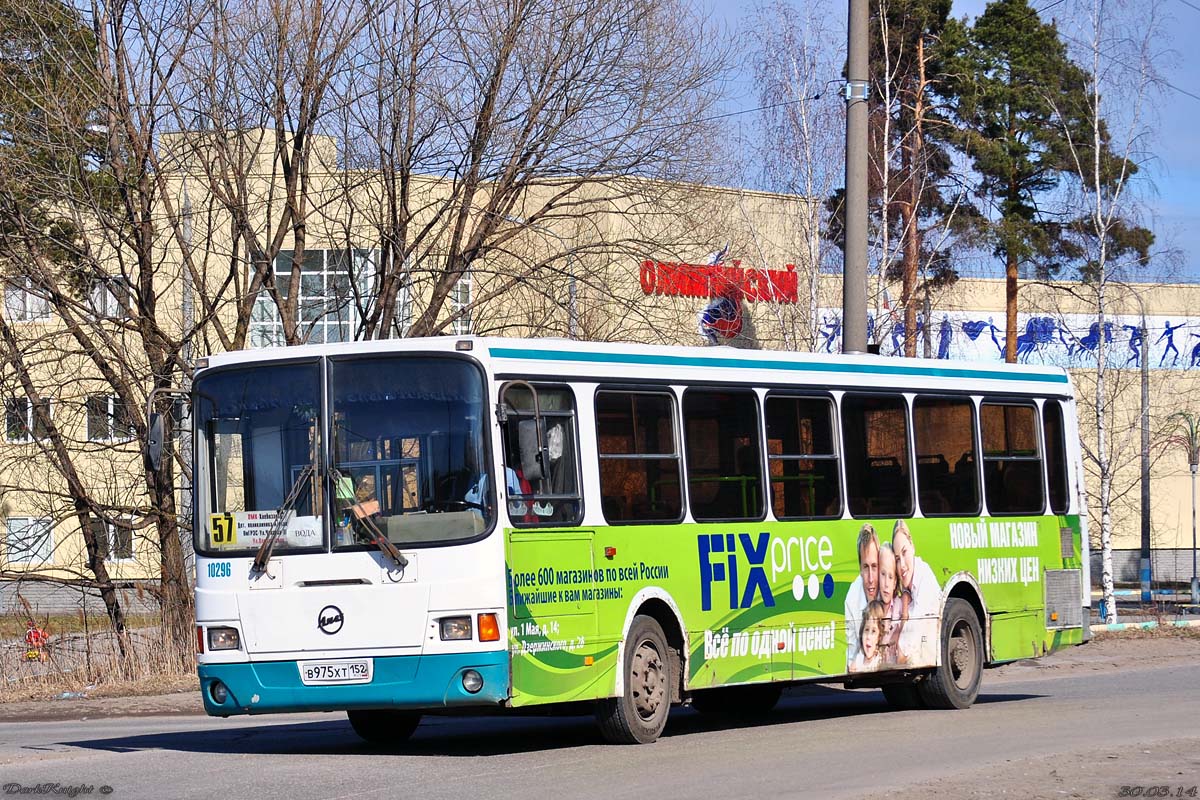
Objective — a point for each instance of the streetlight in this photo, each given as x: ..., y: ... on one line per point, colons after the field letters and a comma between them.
x: 1188, y: 435
x: 572, y: 297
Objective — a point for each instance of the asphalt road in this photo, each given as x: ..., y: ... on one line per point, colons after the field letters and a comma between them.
x: 1030, y: 722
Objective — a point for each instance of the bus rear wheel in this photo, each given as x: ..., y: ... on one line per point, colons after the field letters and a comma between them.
x: 955, y: 683
x: 639, y: 715
x: 382, y: 726
x: 753, y: 700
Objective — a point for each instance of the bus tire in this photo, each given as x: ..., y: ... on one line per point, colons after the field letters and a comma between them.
x: 752, y: 700
x: 383, y: 726
x: 903, y: 696
x: 639, y: 715
x: 955, y: 683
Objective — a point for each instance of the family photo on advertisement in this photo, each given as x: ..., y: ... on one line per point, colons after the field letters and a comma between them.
x: 892, y: 606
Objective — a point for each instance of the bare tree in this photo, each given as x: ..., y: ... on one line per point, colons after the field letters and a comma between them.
x: 473, y: 130
x: 1115, y: 44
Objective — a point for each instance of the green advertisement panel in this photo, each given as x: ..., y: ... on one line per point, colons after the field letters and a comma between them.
x: 778, y: 601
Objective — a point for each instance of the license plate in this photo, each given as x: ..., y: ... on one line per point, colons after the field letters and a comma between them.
x: 321, y: 673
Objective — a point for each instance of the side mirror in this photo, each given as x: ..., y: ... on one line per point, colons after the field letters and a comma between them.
x: 531, y: 454
x: 154, y: 442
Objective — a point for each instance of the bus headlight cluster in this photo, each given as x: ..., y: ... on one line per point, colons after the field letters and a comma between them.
x: 224, y: 639
x: 454, y: 628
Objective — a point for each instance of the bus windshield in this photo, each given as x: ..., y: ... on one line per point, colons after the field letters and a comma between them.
x: 259, y: 435
x: 408, y: 450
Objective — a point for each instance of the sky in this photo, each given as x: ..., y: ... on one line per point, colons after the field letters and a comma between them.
x: 1172, y: 196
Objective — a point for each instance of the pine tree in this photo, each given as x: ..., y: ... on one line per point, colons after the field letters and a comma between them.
x: 1021, y: 102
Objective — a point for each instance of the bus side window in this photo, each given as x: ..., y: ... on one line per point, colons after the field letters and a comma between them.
x: 553, y: 499
x: 1012, y: 465
x: 638, y: 456
x: 947, y: 477
x: 875, y: 432
x: 724, y: 464
x: 801, y: 458
x: 1056, y: 456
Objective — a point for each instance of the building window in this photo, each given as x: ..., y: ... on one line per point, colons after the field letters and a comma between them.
x: 107, y: 419
x: 1012, y: 466
x: 639, y: 457
x: 460, y: 300
x: 724, y: 464
x: 327, y: 303
x: 801, y: 456
x: 21, y: 304
x: 114, y: 540
x: 110, y: 298
x: 27, y: 540
x: 21, y: 424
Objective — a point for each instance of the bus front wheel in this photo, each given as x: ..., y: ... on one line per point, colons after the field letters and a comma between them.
x: 639, y: 714
x: 383, y: 727
x: 955, y: 683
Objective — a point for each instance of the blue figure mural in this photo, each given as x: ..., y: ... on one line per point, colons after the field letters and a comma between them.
x: 945, y: 336
x: 1089, y: 343
x: 1169, y: 335
x: 1195, y: 351
x: 1135, y: 345
x: 898, y: 338
x: 1039, y: 331
x: 830, y: 333
x: 973, y: 328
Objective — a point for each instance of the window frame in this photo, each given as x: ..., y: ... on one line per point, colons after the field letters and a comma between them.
x: 977, y: 443
x: 1066, y: 454
x: 112, y: 403
x: 29, y: 521
x: 28, y: 299
x: 1023, y: 401
x: 108, y: 528
x: 836, y: 457
x: 759, y: 440
x: 266, y: 327
x: 905, y: 396
x: 30, y: 422
x: 578, y: 497
x: 677, y: 435
x: 104, y: 299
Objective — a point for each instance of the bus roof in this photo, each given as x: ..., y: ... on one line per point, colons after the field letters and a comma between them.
x: 628, y: 361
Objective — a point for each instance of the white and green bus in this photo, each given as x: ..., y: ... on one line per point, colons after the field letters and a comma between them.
x: 403, y: 527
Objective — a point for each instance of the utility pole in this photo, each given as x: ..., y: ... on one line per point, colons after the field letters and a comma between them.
x: 1145, y: 565
x: 854, y: 271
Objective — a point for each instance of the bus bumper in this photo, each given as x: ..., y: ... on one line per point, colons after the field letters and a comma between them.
x: 426, y: 682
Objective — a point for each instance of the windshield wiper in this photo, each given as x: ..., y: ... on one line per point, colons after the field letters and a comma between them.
x: 377, y: 537
x: 279, y: 524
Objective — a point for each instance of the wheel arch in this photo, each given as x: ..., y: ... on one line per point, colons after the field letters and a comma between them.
x: 655, y: 602
x: 962, y: 585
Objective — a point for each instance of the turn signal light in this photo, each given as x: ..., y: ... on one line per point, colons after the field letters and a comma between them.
x: 489, y: 628
x: 199, y: 638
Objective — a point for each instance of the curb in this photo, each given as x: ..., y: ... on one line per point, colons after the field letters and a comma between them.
x: 1145, y: 626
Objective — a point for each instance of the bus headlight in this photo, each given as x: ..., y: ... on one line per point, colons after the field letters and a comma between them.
x: 224, y: 639
x: 455, y: 628
x: 472, y: 681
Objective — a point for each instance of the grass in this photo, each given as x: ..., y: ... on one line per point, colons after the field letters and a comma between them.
x: 12, y: 626
x: 83, y: 655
